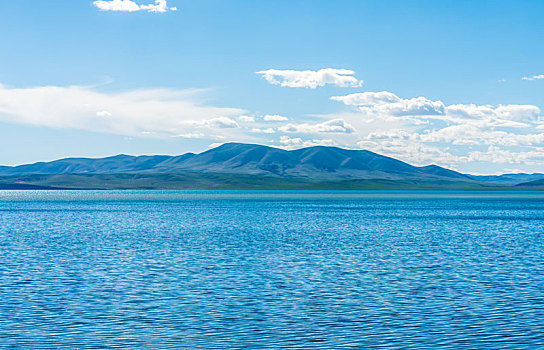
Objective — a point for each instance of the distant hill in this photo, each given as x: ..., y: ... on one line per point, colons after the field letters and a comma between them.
x: 313, y: 162
x: 241, y: 166
x: 532, y: 184
x: 508, y: 179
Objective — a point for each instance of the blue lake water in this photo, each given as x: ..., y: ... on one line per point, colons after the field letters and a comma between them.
x: 151, y: 269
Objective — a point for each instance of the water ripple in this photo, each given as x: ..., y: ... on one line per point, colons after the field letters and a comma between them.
x: 242, y: 270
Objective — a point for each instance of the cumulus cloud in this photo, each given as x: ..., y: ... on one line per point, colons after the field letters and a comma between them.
x: 414, y: 152
x: 311, y: 79
x: 534, y: 77
x: 408, y: 146
x: 274, y: 118
x: 246, y: 119
x: 464, y: 135
x: 156, y: 112
x: 221, y: 123
x: 337, y: 126
x: 104, y: 114
x: 368, y: 98
x: 131, y: 6
x: 421, y: 130
x: 452, y: 145
x: 498, y: 155
x: 263, y: 130
x: 194, y: 135
x: 520, y: 113
x: 387, y: 103
x: 294, y: 143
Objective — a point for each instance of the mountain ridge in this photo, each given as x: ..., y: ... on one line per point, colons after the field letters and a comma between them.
x: 317, y: 164
x: 238, y: 158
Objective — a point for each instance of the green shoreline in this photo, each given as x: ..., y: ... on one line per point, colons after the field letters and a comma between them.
x: 222, y: 181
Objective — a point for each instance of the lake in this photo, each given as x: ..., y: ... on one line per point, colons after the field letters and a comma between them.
x: 243, y: 269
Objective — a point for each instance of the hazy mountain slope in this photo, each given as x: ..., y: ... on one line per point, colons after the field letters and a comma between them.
x: 115, y: 164
x: 443, y: 172
x: 508, y: 179
x: 536, y: 183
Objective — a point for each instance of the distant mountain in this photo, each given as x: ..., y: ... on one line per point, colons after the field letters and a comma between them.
x: 314, y: 162
x: 508, y: 179
x: 240, y: 166
x: 532, y: 184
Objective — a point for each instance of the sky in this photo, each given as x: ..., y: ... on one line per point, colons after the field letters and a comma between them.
x: 454, y: 83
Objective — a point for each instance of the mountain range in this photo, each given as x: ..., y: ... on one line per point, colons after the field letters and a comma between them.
x: 248, y: 166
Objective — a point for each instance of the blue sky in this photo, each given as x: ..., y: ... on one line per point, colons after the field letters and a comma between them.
x: 423, y: 81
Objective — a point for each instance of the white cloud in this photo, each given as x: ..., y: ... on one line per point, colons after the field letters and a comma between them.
x: 467, y: 134
x: 387, y: 103
x: 311, y: 79
x: 117, y: 5
x: 104, y: 114
x: 495, y: 154
x: 509, y: 124
x: 368, y: 98
x: 221, y: 123
x: 246, y: 119
x: 274, y: 118
x: 338, y: 126
x: 263, y: 131
x: 520, y: 113
x: 514, y: 171
x: 195, y: 135
x: 420, y: 130
x: 463, y: 135
x: 405, y: 146
x: 534, y: 77
x: 157, y: 112
x: 294, y: 143
x: 131, y: 6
